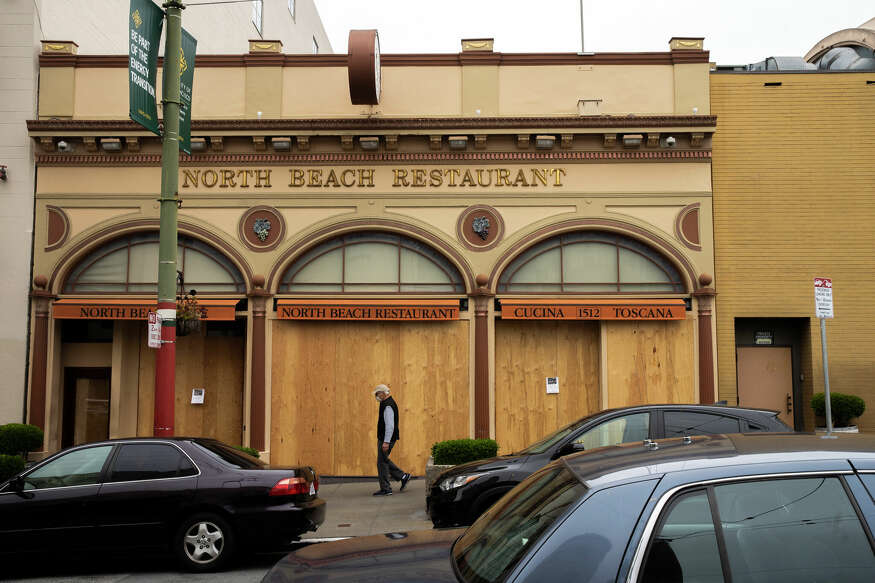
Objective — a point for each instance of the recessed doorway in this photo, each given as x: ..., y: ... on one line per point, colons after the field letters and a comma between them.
x: 86, y: 405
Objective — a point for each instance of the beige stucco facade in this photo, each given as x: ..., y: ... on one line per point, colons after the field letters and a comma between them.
x: 300, y: 163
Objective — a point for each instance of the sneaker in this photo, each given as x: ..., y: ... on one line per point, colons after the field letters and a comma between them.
x: 382, y: 493
x: 404, y: 479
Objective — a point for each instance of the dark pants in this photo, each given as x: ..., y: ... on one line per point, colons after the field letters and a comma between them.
x: 386, y: 468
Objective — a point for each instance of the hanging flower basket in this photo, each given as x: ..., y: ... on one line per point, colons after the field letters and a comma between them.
x: 186, y: 327
x: 188, y: 315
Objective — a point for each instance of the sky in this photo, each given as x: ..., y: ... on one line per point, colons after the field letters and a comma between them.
x: 735, y: 31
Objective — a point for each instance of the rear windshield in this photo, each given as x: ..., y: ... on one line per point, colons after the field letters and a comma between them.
x: 228, y: 455
x: 490, y: 549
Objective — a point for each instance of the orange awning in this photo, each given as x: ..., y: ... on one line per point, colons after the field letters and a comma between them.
x: 674, y: 309
x: 384, y: 310
x: 114, y: 309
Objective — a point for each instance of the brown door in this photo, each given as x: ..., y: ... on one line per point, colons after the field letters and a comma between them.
x: 86, y: 405
x: 765, y: 379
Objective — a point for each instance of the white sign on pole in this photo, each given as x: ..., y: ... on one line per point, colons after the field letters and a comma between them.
x: 823, y: 297
x: 154, y: 330
x: 552, y: 385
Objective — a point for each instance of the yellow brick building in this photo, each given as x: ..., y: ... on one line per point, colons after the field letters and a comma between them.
x: 794, y: 198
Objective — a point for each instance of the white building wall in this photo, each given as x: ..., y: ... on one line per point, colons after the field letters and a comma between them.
x: 19, y: 36
x: 220, y: 29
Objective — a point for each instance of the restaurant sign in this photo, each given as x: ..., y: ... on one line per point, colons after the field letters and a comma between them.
x: 368, y: 310
x: 100, y: 309
x: 593, y: 309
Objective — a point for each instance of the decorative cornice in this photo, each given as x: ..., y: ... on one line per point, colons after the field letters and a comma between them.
x: 396, y: 60
x: 272, y: 159
x: 388, y: 123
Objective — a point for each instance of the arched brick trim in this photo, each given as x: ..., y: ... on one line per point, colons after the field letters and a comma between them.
x: 669, y: 252
x: 313, y: 239
x: 59, y: 227
x: 687, y: 227
x: 71, y: 257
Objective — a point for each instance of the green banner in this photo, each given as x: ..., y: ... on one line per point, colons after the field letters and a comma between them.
x: 145, y: 23
x: 186, y: 83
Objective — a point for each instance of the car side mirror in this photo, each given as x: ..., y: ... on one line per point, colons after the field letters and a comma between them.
x: 16, y: 484
x: 569, y: 448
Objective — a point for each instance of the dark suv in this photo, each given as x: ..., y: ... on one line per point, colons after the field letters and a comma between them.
x: 464, y: 492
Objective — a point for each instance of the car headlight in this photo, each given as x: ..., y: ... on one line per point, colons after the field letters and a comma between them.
x: 458, y: 481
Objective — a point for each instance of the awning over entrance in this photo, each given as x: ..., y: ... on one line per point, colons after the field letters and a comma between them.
x: 381, y: 310
x: 110, y: 309
x: 593, y: 309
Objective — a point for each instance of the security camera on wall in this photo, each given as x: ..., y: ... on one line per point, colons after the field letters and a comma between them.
x: 64, y: 146
x: 670, y: 141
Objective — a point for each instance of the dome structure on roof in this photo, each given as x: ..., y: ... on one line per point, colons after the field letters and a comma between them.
x: 852, y: 49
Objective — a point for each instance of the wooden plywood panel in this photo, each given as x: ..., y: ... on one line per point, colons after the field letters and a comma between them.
x: 323, y: 411
x: 765, y: 379
x: 650, y: 362
x: 526, y: 353
x: 214, y: 363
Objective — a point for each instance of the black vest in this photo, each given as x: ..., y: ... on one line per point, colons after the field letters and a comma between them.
x: 381, y: 424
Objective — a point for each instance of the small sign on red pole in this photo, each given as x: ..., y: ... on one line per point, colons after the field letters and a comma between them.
x: 154, y: 330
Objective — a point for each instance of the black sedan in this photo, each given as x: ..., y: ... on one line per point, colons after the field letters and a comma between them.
x: 200, y: 498
x: 464, y: 492
x: 776, y: 508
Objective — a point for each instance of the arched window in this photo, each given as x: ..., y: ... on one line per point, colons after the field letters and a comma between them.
x: 130, y: 265
x: 590, y: 262
x: 369, y: 262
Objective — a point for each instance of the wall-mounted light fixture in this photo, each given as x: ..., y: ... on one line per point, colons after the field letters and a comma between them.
x: 281, y: 143
x: 544, y: 142
x: 198, y: 144
x: 369, y: 143
x: 457, y: 142
x: 632, y: 140
x: 3, y: 172
x: 111, y: 144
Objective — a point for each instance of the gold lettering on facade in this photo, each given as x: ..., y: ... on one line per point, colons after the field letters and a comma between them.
x: 400, y: 177
x: 332, y: 179
x: 262, y: 178
x: 244, y: 175
x: 411, y: 177
x: 296, y: 177
x: 190, y: 178
x: 212, y: 180
x: 366, y: 177
x: 227, y: 179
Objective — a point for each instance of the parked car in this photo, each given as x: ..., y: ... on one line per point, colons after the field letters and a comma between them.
x: 777, y: 508
x: 462, y: 493
x: 200, y: 498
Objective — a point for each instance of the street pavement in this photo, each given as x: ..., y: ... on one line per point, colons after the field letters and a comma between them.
x: 351, y: 511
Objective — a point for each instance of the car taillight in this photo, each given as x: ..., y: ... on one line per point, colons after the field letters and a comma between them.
x: 290, y: 487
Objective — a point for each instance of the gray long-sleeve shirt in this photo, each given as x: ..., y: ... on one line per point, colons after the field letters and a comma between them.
x: 389, y: 420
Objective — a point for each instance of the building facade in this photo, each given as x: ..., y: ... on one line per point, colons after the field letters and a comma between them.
x: 509, y: 242
x: 100, y: 28
x: 793, y: 200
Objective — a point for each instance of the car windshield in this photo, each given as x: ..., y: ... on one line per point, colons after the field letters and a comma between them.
x: 228, y: 455
x: 555, y: 437
x: 491, y: 547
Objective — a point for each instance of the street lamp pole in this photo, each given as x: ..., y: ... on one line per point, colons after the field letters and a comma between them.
x: 165, y: 364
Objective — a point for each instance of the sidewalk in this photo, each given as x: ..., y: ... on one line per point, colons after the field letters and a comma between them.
x: 351, y: 510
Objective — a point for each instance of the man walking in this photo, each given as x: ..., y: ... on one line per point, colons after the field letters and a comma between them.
x: 387, y: 435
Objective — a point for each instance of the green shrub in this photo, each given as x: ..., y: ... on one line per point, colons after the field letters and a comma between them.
x: 18, y: 439
x: 843, y: 407
x: 248, y: 450
x: 459, y: 451
x: 10, y: 465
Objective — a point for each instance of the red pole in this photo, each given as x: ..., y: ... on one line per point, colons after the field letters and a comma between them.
x: 165, y: 372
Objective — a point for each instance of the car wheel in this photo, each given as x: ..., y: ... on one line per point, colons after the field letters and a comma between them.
x: 204, y: 542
